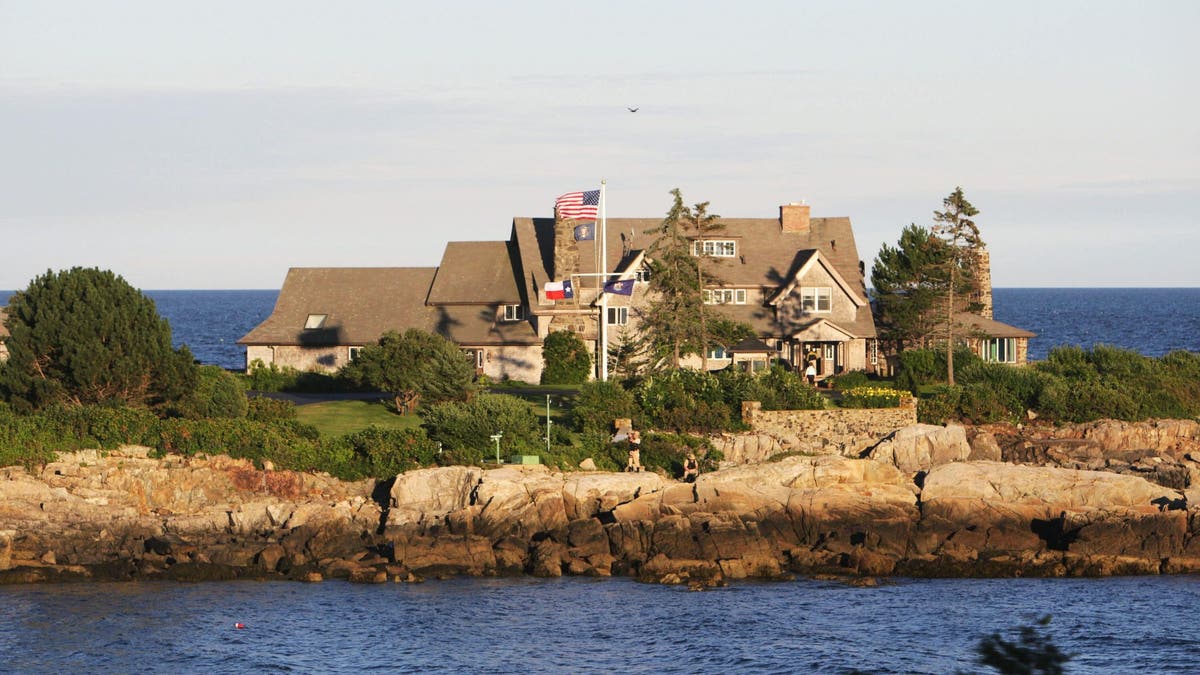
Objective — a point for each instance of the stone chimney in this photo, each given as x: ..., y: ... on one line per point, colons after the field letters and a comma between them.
x: 983, y: 278
x: 566, y: 250
x: 794, y: 217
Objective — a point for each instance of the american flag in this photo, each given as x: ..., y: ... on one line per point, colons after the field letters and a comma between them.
x: 578, y: 205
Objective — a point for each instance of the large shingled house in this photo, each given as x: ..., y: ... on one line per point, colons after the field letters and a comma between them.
x: 795, y: 279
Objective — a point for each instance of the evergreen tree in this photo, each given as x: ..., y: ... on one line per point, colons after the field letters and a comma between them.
x: 85, y: 336
x: 921, y: 284
x: 698, y: 221
x: 961, y: 237
x: 415, y: 367
x: 566, y: 359
x: 673, y: 319
x: 906, y: 284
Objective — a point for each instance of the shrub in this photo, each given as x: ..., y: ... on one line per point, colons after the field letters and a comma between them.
x: 683, y: 400
x: 384, y: 453
x: 598, y: 404
x: 850, y: 380
x: 85, y: 336
x: 666, y: 452
x: 939, y: 407
x: 567, y: 359
x: 274, y: 378
x: 781, y: 389
x: 416, y: 367
x: 218, y: 393
x: 470, y: 425
x: 873, y: 397
x: 262, y: 409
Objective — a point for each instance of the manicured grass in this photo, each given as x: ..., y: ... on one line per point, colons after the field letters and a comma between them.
x: 337, y: 418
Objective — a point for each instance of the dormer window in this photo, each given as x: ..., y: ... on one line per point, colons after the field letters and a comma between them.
x: 718, y: 248
x: 315, y: 321
x: 725, y: 296
x: 514, y: 313
x: 643, y: 274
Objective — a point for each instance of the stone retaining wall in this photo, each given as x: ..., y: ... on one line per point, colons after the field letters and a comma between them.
x: 842, y: 431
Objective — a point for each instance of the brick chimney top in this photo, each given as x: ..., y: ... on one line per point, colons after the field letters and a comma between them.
x: 794, y: 217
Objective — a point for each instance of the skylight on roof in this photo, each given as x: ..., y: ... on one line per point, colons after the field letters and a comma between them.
x: 315, y: 321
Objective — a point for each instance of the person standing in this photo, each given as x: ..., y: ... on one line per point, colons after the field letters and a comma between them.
x: 635, y: 452
x: 810, y: 372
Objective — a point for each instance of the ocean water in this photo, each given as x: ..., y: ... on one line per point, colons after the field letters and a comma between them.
x: 1152, y: 321
x: 1117, y: 625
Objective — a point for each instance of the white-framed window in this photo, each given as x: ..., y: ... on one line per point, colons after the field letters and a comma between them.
x: 816, y: 298
x: 999, y: 350
x: 352, y: 352
x: 720, y: 248
x: 618, y: 316
x: 717, y: 352
x: 643, y: 274
x: 725, y: 296
x: 830, y: 352
x: 873, y: 351
x: 514, y: 312
x: 315, y: 321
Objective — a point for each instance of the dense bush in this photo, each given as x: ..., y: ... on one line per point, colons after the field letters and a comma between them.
x: 666, y: 452
x: 218, y: 393
x: 469, y: 426
x: 274, y: 378
x: 598, y: 404
x: 85, y: 336
x: 264, y: 409
x: 384, y: 453
x: 1073, y: 385
x: 567, y: 359
x: 683, y: 400
x: 850, y: 380
x: 924, y: 366
x: 782, y: 389
x: 416, y: 367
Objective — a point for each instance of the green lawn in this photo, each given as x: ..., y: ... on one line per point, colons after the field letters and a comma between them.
x: 337, y: 418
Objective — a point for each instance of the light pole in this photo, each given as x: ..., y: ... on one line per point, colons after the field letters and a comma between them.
x: 496, y: 438
x: 548, y: 423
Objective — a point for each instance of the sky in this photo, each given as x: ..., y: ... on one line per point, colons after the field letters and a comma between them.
x: 206, y: 145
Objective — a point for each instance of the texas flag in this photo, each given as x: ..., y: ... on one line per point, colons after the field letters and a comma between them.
x: 619, y: 287
x: 558, y: 290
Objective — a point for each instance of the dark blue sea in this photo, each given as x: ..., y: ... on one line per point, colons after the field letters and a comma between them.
x: 1122, y: 625
x: 1117, y: 625
x: 1152, y: 321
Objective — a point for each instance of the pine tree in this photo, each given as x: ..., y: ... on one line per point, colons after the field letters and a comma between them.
x: 961, y: 236
x: 698, y: 221
x: 415, y: 367
x: 85, y: 336
x: 673, y: 319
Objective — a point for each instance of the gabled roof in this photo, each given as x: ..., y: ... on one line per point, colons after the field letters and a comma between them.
x: 766, y: 255
x: 823, y: 330
x: 806, y: 260
x: 475, y: 273
x: 990, y: 327
x: 361, y: 303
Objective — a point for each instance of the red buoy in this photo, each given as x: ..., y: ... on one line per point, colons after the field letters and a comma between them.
x: 239, y: 625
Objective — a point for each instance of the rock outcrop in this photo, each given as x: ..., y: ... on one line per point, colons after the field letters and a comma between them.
x: 921, y: 503
x: 125, y: 515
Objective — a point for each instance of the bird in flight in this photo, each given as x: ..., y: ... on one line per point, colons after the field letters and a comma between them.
x: 633, y: 109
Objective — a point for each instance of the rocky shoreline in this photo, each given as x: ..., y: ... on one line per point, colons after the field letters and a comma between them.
x: 1091, y: 500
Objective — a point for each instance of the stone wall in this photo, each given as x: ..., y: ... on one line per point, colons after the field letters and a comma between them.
x: 841, y: 431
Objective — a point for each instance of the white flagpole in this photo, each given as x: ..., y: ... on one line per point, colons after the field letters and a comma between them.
x: 604, y: 279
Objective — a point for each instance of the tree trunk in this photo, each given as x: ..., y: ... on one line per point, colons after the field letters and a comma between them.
x: 703, y: 328
x: 950, y: 330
